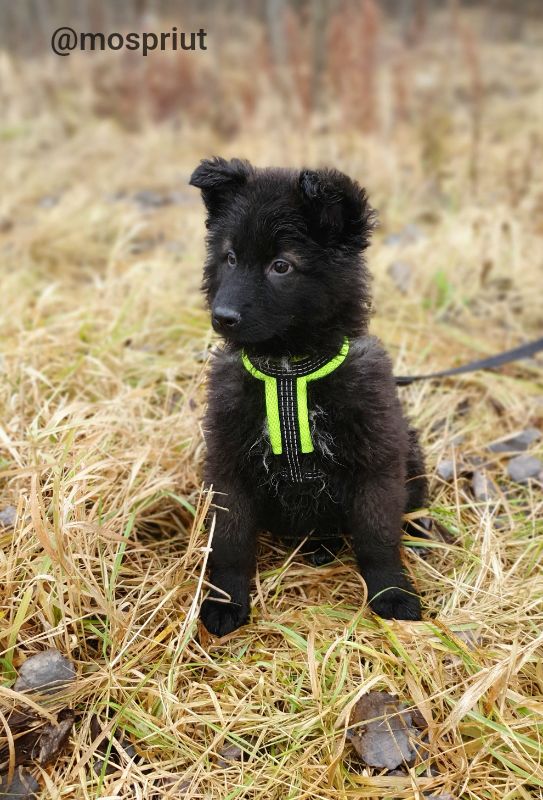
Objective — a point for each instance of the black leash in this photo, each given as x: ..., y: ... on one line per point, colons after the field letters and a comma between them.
x: 524, y: 351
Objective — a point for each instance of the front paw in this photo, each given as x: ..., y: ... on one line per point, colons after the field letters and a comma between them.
x: 397, y: 600
x: 221, y: 618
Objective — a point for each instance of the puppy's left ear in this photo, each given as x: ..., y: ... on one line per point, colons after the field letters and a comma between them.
x: 218, y: 179
x: 337, y: 208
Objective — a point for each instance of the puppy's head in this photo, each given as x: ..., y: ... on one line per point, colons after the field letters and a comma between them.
x: 284, y: 271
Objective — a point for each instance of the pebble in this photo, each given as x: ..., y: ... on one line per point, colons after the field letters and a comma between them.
x: 408, y: 234
x: 523, y: 468
x: 484, y: 489
x: 516, y: 443
x: 45, y: 671
x: 8, y: 517
x: 148, y: 198
x: 401, y: 273
x: 445, y: 469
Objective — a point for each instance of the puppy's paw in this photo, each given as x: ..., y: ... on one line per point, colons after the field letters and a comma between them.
x: 395, y: 603
x: 221, y: 618
x: 320, y: 553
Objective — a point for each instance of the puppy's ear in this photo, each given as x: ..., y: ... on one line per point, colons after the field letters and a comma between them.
x: 218, y: 179
x: 337, y: 208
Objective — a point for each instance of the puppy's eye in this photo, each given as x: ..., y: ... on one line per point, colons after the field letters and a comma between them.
x: 231, y: 258
x: 280, y: 267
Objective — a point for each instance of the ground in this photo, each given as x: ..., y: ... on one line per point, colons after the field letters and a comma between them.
x: 104, y: 347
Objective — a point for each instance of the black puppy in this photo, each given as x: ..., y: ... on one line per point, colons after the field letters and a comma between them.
x: 305, y: 434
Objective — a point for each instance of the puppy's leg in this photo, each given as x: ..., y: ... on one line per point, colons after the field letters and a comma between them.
x: 375, y: 526
x: 232, y: 564
x: 417, y: 483
x: 417, y: 487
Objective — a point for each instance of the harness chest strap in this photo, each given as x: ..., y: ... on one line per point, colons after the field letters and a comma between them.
x: 286, y: 403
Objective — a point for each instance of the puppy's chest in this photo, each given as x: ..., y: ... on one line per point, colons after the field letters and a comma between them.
x: 296, y: 436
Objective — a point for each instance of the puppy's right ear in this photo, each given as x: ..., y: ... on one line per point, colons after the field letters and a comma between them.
x: 219, y: 179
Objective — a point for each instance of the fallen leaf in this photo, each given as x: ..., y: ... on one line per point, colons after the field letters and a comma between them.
x: 384, y: 731
x: 36, y: 741
x: 46, y: 742
x: 114, y: 756
x: 47, y: 671
x: 23, y: 786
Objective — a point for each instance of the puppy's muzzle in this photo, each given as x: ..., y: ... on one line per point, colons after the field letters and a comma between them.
x: 226, y: 319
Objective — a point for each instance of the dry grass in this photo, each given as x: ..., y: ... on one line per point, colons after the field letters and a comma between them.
x: 103, y: 333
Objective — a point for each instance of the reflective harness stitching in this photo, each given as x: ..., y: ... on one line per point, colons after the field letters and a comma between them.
x: 287, y: 413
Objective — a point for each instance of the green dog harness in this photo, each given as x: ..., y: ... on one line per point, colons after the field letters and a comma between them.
x: 286, y: 406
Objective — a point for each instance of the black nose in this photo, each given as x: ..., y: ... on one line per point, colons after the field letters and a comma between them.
x: 226, y: 317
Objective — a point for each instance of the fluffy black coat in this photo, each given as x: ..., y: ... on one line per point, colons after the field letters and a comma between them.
x: 284, y: 277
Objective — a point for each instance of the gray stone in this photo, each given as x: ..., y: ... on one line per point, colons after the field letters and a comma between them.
x: 48, y: 201
x: 445, y: 469
x: 445, y: 796
x: 409, y: 233
x: 524, y: 468
x: 8, y: 517
x: 484, y: 489
x: 516, y: 443
x: 47, y: 672
x: 149, y: 198
x: 401, y: 273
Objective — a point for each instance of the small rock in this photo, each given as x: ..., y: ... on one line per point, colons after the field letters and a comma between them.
x: 476, y: 461
x: 484, y: 489
x: 6, y: 224
x: 523, y: 468
x: 516, y: 443
x: 384, y: 733
x: 445, y: 796
x: 409, y: 233
x: 48, y: 201
x: 471, y: 638
x: 47, y: 671
x: 115, y: 197
x: 149, y: 198
x: 23, y: 786
x: 180, y: 198
x: 229, y: 753
x: 177, y: 248
x: 401, y: 273
x: 142, y: 245
x: 445, y: 469
x: 8, y: 517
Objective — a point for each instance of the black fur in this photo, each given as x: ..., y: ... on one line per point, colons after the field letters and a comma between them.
x: 319, y: 222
